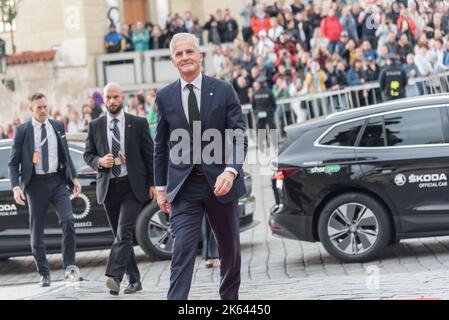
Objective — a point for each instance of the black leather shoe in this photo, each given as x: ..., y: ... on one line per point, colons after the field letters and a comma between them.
x: 113, y: 284
x: 133, y: 288
x: 45, y: 281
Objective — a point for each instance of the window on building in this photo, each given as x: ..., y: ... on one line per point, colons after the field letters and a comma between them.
x: 4, y: 26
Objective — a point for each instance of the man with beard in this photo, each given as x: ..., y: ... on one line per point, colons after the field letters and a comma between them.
x: 120, y: 148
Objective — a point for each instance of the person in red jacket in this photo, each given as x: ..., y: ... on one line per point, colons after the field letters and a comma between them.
x: 260, y: 20
x: 406, y: 25
x: 332, y: 29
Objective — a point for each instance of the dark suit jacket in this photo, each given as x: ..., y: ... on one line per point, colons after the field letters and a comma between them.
x: 220, y: 110
x: 21, y: 158
x: 138, y: 153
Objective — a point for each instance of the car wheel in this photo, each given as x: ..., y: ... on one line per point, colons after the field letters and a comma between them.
x: 153, y: 233
x: 354, y: 228
x: 2, y: 259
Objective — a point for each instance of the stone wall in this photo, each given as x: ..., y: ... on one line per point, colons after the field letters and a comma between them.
x: 62, y: 86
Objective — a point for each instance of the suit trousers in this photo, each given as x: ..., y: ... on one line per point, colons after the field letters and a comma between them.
x: 40, y: 192
x: 210, y: 249
x: 122, y: 209
x: 187, y: 210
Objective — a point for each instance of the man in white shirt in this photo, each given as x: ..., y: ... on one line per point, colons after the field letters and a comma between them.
x: 194, y: 104
x: 119, y: 146
x: 40, y: 157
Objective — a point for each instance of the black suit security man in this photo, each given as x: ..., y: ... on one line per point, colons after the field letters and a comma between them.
x: 119, y: 146
x: 40, y: 157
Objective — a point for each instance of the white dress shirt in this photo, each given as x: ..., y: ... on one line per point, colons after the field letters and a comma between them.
x: 185, y: 106
x: 121, y: 126
x: 52, y: 147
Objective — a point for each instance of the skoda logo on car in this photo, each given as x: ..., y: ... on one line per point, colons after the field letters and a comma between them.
x: 400, y: 180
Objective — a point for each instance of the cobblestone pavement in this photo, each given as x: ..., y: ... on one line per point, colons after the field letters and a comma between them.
x: 272, y: 268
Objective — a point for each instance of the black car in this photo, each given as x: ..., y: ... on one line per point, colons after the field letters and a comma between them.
x: 153, y: 232
x: 362, y: 179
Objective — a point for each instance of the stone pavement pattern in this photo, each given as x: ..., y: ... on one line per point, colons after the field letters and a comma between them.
x: 272, y: 268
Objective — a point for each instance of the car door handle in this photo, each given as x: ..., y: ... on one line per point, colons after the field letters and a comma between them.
x: 385, y: 169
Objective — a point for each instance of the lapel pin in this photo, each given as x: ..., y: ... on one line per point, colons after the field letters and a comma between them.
x: 211, y: 93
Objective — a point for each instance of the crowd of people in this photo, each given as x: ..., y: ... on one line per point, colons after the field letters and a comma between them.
x: 291, y: 49
x: 141, y: 104
x: 221, y: 27
x: 303, y: 47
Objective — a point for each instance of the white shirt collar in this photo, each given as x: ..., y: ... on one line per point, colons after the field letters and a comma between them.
x: 39, y: 124
x: 196, y: 83
x: 120, y: 117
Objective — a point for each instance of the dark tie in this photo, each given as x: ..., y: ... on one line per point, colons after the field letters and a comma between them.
x: 44, y: 140
x: 194, y: 112
x: 116, y: 169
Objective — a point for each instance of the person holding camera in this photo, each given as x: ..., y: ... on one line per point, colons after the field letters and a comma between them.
x: 113, y: 40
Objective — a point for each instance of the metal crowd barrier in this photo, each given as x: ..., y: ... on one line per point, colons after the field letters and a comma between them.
x: 309, y: 106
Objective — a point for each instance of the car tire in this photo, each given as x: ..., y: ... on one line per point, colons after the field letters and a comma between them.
x: 354, y: 227
x: 3, y: 259
x: 153, y: 233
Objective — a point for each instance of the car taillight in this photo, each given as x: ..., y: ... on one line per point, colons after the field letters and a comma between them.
x: 282, y: 174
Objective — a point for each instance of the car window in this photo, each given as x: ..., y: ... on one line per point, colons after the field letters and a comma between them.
x: 4, y: 158
x: 343, y: 135
x: 414, y: 127
x: 373, y: 136
x: 77, y: 158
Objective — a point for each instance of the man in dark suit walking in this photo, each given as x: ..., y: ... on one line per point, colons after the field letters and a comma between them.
x: 40, y: 157
x: 119, y: 146
x: 193, y: 105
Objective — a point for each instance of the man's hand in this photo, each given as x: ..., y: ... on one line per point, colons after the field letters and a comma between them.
x: 107, y: 161
x: 224, y: 183
x: 152, y: 193
x: 162, y: 201
x: 76, y: 187
x: 19, y: 197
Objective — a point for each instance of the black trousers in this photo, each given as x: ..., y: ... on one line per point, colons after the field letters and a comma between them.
x: 40, y: 192
x: 269, y: 119
x: 122, y: 209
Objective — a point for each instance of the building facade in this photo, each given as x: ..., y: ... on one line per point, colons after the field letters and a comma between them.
x: 74, y: 30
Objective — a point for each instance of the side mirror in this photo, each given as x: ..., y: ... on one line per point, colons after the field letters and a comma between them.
x: 87, y: 171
